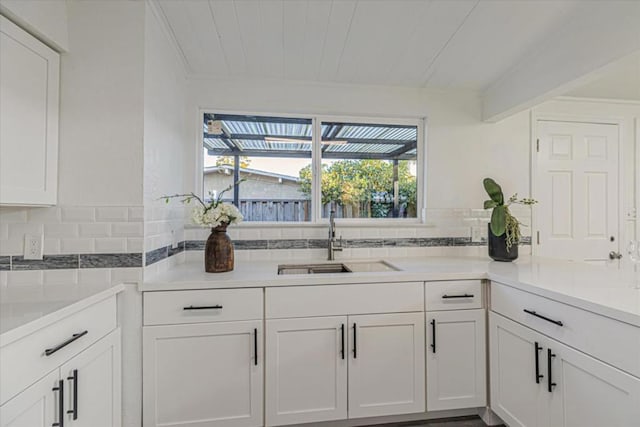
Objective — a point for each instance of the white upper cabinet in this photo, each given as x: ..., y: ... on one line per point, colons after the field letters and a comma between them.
x: 29, y: 91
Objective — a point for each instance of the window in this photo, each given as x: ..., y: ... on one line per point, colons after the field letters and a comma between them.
x: 276, y: 169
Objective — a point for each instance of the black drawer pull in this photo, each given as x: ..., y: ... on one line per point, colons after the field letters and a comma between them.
x: 457, y: 296
x: 533, y: 313
x: 433, y: 334
x: 74, y: 409
x: 537, y: 350
x: 60, y: 390
x: 50, y: 351
x: 550, y: 383
x: 203, y: 307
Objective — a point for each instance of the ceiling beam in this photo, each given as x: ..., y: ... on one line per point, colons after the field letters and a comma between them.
x: 595, y: 35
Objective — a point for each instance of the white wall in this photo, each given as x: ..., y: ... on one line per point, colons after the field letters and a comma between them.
x: 45, y: 19
x: 462, y: 149
x: 101, y: 105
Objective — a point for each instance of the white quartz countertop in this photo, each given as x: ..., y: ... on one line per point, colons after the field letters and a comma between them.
x: 25, y: 309
x: 606, y: 291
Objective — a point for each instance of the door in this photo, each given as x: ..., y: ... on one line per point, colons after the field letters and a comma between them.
x: 93, y: 389
x: 589, y: 393
x: 37, y: 406
x: 306, y: 370
x: 456, y: 362
x: 577, y: 188
x: 386, y: 364
x: 29, y: 85
x: 517, y: 373
x: 207, y: 374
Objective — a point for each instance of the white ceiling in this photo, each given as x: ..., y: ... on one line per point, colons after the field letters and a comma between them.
x: 618, y: 81
x: 466, y: 44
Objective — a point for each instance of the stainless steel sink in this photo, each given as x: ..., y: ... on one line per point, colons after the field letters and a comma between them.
x: 347, y: 267
x: 312, y: 268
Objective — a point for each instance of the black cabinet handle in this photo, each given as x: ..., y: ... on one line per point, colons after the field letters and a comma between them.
x: 533, y: 313
x: 74, y: 409
x: 433, y: 334
x: 60, y: 390
x: 50, y: 351
x: 537, y: 351
x: 203, y: 307
x: 342, y: 341
x: 550, y: 383
x: 445, y: 296
x: 355, y: 342
x: 255, y: 346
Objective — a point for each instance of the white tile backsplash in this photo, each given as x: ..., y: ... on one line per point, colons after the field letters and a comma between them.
x: 78, y: 214
x: 112, y: 214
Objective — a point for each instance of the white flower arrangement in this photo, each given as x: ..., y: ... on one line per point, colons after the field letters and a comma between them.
x: 212, y: 214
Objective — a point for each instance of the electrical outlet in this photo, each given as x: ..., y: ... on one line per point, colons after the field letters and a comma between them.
x: 33, y: 246
x: 477, y: 234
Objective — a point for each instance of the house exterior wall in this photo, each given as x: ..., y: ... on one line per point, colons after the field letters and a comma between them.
x: 255, y: 187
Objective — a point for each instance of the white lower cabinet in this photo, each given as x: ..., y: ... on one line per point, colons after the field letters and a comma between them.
x: 537, y: 381
x: 85, y: 391
x: 207, y: 374
x: 37, y: 406
x: 456, y: 359
x: 306, y: 370
x: 93, y: 384
x: 316, y: 365
x: 386, y: 364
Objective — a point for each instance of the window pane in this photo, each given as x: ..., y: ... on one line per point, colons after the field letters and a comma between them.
x: 369, y: 170
x: 274, y: 162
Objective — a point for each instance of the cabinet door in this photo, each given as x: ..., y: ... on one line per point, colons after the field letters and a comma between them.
x: 386, y: 364
x: 306, y: 370
x: 93, y: 385
x: 29, y: 84
x: 456, y: 361
x: 589, y: 393
x: 203, y: 375
x: 37, y: 406
x: 516, y: 397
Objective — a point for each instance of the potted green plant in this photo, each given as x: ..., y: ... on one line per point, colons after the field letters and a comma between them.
x: 504, y: 229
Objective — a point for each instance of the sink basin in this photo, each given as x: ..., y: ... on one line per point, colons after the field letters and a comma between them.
x: 348, y: 267
x: 312, y: 268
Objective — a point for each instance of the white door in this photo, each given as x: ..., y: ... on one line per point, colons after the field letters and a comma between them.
x: 589, y: 393
x: 306, y: 370
x: 456, y: 362
x: 386, y: 364
x: 203, y: 375
x: 37, y: 406
x: 29, y: 84
x: 93, y: 385
x: 577, y: 188
x: 517, y: 395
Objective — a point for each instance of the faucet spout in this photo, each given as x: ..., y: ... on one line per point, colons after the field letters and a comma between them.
x: 333, y: 246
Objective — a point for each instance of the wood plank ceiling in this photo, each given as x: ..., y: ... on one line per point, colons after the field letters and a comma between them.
x: 466, y: 44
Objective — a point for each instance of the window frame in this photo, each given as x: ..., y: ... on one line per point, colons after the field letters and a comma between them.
x: 316, y: 166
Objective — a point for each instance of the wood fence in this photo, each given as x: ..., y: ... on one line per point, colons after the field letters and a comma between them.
x: 296, y: 210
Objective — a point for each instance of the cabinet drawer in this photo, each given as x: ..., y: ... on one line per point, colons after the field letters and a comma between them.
x: 201, y: 306
x: 609, y: 340
x: 335, y: 300
x: 455, y: 295
x: 24, y: 361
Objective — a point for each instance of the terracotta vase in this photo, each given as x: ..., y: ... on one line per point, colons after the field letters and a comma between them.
x: 498, y: 248
x: 218, y: 251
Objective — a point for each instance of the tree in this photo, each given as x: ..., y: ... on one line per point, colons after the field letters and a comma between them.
x: 229, y: 161
x: 365, y: 186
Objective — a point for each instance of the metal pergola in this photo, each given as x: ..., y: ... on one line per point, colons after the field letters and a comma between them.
x: 236, y: 135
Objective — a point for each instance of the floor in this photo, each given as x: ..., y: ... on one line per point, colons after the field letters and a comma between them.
x: 472, y: 421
